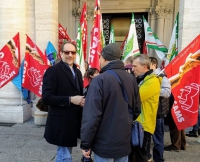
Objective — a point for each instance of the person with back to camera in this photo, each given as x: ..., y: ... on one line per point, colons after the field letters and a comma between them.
x: 62, y: 91
x: 90, y: 74
x: 106, y: 122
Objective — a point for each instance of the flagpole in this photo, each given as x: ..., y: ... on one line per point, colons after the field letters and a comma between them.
x: 161, y: 72
x: 21, y: 97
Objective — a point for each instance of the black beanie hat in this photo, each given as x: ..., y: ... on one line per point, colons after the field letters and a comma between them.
x: 111, y: 52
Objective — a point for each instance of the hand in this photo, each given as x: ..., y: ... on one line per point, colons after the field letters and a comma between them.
x: 128, y: 70
x: 86, y: 153
x: 82, y: 102
x: 77, y: 100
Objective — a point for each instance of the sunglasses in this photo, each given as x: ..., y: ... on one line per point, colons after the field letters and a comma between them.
x: 68, y: 52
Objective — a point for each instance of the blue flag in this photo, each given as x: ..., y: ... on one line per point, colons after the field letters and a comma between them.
x: 51, y: 53
x: 17, y: 81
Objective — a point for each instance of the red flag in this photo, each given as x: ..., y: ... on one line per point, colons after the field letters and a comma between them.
x: 144, y: 48
x: 63, y: 33
x: 9, y: 60
x: 62, y: 37
x: 83, y: 24
x: 34, y: 68
x: 183, y: 72
x: 122, y: 47
x: 95, y: 43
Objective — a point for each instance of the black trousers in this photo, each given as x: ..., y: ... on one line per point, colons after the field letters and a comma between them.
x: 140, y: 154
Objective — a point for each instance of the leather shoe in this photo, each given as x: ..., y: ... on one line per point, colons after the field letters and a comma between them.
x: 192, y: 133
x: 171, y: 148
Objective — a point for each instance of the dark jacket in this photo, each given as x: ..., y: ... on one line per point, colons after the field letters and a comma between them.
x: 64, y: 118
x: 106, y: 123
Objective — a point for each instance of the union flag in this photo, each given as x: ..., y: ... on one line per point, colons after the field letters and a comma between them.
x: 9, y: 60
x: 183, y: 73
x: 35, y: 64
x: 83, y: 27
x: 95, y: 42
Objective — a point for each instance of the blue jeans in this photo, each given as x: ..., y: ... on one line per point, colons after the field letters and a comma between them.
x: 158, y: 139
x: 101, y: 159
x: 64, y: 154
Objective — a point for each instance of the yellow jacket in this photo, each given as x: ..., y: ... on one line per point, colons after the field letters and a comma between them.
x: 149, y: 90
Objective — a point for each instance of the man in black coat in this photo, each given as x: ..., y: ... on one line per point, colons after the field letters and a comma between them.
x: 62, y: 91
x: 106, y: 122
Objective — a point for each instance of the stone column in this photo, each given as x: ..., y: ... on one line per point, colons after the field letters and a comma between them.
x: 163, y: 10
x: 160, y: 20
x: 30, y: 31
x: 65, y: 16
x: 189, y: 22
x: 76, y: 14
x: 13, y: 19
x: 46, y: 29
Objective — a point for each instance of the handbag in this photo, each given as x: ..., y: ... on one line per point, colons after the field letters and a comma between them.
x: 41, y: 106
x: 137, y: 131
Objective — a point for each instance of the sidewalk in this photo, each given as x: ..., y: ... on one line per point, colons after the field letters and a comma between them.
x: 25, y: 143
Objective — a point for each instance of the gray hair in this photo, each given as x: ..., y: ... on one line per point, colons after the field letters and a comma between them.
x: 144, y: 60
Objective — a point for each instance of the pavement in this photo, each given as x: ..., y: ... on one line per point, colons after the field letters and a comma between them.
x: 25, y: 143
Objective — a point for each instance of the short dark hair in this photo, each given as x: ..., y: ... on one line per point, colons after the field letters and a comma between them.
x: 68, y: 42
x: 91, y: 71
x: 154, y: 61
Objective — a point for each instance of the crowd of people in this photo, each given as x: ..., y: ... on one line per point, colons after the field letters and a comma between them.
x: 96, y: 110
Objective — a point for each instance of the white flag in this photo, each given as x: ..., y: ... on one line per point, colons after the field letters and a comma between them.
x: 173, y: 45
x: 112, y: 35
x: 153, y: 42
x: 131, y: 46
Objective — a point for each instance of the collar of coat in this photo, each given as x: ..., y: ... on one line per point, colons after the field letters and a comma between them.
x: 141, y: 77
x: 116, y: 64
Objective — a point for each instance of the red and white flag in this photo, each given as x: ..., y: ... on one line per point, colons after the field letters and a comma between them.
x: 95, y: 43
x: 83, y: 25
x: 183, y: 73
x: 9, y: 60
x: 34, y: 67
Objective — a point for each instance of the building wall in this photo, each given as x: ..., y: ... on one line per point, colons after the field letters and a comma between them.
x: 39, y: 19
x: 189, y: 22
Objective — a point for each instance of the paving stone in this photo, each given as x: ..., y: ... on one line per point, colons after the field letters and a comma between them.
x: 38, y: 131
x: 27, y: 137
x: 7, y: 131
x: 11, y: 143
x: 25, y: 143
x: 38, y: 145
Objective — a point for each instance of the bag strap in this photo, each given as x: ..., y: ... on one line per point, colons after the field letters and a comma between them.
x: 123, y: 90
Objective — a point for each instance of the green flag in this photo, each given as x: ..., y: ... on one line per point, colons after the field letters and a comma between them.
x: 153, y: 42
x: 112, y: 35
x: 79, y: 54
x: 131, y: 46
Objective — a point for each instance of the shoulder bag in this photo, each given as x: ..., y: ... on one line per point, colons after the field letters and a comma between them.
x: 137, y: 132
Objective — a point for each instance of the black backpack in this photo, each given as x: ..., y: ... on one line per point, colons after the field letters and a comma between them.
x: 163, y: 106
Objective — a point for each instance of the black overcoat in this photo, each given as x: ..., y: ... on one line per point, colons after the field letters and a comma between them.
x: 64, y: 118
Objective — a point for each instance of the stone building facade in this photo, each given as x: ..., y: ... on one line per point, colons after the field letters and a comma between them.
x: 39, y: 19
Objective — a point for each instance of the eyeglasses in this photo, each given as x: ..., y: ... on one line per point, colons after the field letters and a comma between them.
x: 68, y: 52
